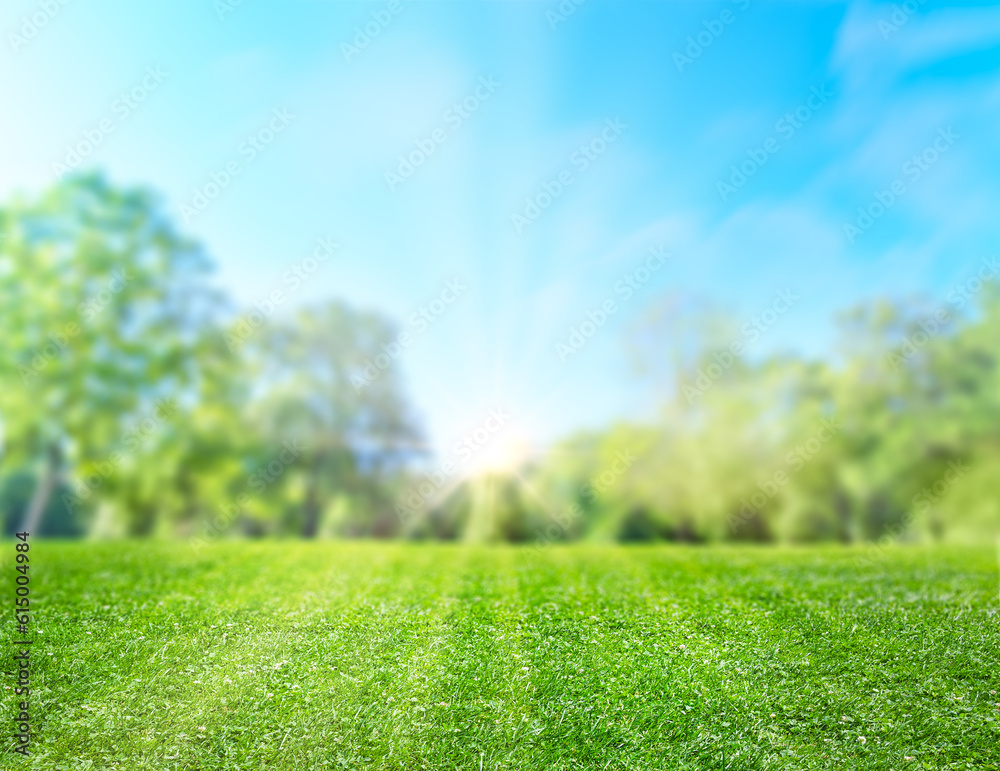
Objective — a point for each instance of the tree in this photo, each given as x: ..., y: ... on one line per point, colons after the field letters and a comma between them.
x: 319, y: 384
x: 101, y: 302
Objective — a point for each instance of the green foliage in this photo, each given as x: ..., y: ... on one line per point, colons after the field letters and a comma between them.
x: 899, y: 435
x: 120, y: 384
x: 128, y: 399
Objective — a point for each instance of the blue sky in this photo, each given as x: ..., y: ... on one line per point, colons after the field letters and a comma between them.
x: 684, y: 123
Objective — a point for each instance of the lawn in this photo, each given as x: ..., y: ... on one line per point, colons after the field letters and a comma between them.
x: 356, y: 656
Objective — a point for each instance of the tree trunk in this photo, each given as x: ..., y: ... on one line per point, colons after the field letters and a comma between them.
x: 311, y: 507
x: 310, y: 525
x: 43, y: 490
x: 843, y: 509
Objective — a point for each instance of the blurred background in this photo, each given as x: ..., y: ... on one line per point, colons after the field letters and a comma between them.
x: 500, y: 272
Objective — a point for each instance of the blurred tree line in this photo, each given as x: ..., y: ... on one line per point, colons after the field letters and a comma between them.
x: 897, y: 436
x: 135, y: 400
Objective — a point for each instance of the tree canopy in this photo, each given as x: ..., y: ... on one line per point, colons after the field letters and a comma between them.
x: 126, y: 408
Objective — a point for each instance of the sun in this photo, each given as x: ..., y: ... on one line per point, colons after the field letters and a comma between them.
x: 504, y: 454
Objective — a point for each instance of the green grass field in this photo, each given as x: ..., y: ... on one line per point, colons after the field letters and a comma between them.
x: 330, y: 656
